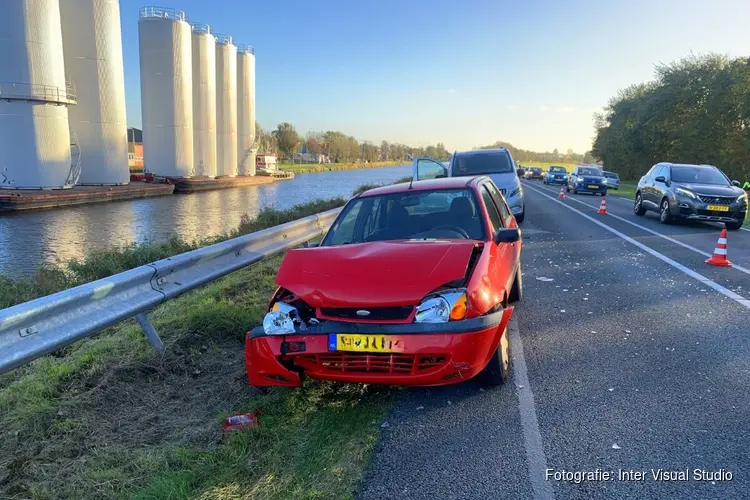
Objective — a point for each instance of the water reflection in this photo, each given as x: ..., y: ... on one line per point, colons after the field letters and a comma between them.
x: 28, y: 239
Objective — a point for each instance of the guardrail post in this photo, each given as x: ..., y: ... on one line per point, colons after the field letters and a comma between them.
x: 150, y: 332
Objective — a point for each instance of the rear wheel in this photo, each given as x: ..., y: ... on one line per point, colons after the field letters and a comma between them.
x: 516, y: 291
x: 733, y: 226
x: 497, y: 371
x: 665, y: 215
x: 638, y: 205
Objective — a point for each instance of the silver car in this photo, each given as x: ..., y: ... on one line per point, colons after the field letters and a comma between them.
x: 497, y: 164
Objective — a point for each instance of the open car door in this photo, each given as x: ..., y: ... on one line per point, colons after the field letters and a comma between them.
x: 425, y: 168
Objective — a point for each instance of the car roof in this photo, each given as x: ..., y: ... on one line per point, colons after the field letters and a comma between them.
x: 609, y: 172
x: 481, y: 151
x: 702, y: 165
x: 428, y: 185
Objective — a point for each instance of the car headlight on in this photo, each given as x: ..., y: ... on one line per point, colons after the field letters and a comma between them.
x: 686, y: 192
x: 281, y: 320
x: 514, y: 192
x: 565, y: 178
x: 446, y: 306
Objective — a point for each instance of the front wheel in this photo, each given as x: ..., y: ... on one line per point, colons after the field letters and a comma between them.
x: 520, y: 217
x: 567, y: 188
x: 497, y: 371
x: 638, y: 206
x: 733, y: 226
x: 665, y: 215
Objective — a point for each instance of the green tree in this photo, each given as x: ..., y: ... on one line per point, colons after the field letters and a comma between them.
x: 287, y: 139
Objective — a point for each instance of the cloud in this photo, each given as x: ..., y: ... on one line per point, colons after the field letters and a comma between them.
x: 543, y: 108
x: 565, y: 109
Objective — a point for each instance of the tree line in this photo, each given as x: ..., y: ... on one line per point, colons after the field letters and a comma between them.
x: 285, y: 141
x: 522, y: 155
x: 697, y: 110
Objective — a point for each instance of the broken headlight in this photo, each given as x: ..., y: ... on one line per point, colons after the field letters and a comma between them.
x: 282, y: 319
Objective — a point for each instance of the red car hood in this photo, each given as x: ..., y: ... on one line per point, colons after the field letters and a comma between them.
x: 377, y: 274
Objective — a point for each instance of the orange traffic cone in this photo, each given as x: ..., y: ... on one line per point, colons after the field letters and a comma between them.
x: 603, y: 207
x: 562, y: 193
x: 719, y: 258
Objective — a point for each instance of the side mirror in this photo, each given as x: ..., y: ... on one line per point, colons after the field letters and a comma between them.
x: 507, y: 235
x: 521, y: 172
x: 736, y: 183
x: 310, y: 244
x: 661, y: 178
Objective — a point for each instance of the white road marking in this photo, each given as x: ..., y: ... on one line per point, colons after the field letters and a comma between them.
x: 532, y: 437
x: 660, y: 235
x: 707, y: 282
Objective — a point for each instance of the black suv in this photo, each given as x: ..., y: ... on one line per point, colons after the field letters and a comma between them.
x: 694, y: 192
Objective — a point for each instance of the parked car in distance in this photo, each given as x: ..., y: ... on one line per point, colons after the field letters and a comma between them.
x: 691, y: 192
x: 612, y: 179
x: 533, y: 172
x: 556, y: 175
x: 412, y: 285
x: 497, y: 164
x: 587, y: 179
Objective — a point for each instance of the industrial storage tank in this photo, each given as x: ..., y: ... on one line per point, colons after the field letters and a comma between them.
x: 246, y: 109
x: 204, y: 100
x: 34, y: 98
x: 164, y: 39
x: 92, y: 45
x: 226, y: 106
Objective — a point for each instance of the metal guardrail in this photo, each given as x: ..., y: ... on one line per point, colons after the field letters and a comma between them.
x: 223, y: 39
x: 36, y: 92
x: 41, y: 326
x: 163, y: 12
x: 245, y: 49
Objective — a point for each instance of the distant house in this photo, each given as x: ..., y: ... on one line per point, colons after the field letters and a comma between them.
x: 305, y: 156
x: 135, y: 148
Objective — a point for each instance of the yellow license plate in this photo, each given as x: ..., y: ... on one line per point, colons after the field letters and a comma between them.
x: 592, y: 186
x: 718, y: 208
x: 365, y: 343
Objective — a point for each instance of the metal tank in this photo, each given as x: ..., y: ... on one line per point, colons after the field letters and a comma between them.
x: 226, y: 106
x: 164, y: 39
x: 34, y: 98
x: 246, y: 110
x: 204, y: 100
x: 92, y: 46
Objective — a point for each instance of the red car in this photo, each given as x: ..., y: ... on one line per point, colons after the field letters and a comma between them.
x: 410, y: 286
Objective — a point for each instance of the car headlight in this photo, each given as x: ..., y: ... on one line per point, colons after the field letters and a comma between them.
x: 565, y: 178
x: 441, y: 308
x: 742, y: 197
x: 281, y: 320
x: 686, y: 192
x: 514, y: 192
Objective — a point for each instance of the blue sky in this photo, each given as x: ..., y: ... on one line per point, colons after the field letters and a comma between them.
x: 465, y: 73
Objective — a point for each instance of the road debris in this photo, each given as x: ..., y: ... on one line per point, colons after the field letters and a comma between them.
x: 384, y: 425
x: 545, y: 279
x: 242, y: 422
x: 420, y: 407
x: 616, y: 447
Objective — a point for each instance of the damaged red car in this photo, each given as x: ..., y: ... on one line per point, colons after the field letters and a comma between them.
x: 412, y: 285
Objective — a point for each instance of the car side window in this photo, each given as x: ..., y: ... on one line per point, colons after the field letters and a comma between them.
x: 499, y: 200
x: 495, y: 218
x: 652, y: 171
x: 659, y: 171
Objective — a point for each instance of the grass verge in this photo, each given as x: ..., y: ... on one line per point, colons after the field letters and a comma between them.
x: 330, y: 167
x: 108, y: 418
x: 627, y: 190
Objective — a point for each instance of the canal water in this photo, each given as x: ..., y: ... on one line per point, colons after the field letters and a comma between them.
x: 50, y: 236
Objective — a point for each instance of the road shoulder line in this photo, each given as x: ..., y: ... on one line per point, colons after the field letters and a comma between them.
x: 532, y: 437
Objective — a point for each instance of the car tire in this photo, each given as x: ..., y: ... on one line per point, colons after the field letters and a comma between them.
x: 733, y: 226
x: 575, y: 189
x: 567, y: 188
x: 516, y: 290
x: 520, y: 217
x: 665, y: 215
x: 497, y: 371
x: 638, y: 205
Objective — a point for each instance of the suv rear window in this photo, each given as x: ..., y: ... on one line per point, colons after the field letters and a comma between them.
x: 482, y: 163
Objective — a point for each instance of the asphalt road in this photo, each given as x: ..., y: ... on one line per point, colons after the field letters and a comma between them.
x: 635, y: 357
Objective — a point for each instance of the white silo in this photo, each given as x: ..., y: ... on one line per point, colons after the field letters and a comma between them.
x: 34, y: 98
x: 164, y: 39
x: 246, y: 109
x: 204, y: 100
x: 226, y: 106
x: 92, y: 44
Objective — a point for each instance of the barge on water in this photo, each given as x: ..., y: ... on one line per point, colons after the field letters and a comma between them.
x: 21, y: 199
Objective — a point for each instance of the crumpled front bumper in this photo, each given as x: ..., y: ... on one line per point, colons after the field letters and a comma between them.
x: 433, y: 354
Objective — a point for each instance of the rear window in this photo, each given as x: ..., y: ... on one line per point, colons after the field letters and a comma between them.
x: 611, y: 175
x: 482, y: 163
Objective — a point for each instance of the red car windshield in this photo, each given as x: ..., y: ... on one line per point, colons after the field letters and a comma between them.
x: 413, y: 215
